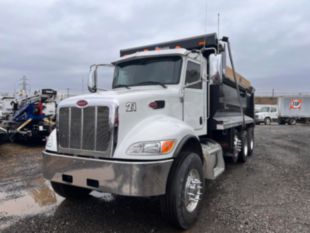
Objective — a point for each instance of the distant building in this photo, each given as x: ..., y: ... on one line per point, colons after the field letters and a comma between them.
x: 266, y: 100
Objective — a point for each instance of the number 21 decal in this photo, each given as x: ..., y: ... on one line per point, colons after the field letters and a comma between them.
x: 131, y: 107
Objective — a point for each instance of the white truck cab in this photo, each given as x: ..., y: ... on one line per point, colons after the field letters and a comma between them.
x: 266, y: 114
x: 171, y: 116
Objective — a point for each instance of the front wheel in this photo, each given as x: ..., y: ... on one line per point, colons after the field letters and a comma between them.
x: 267, y: 121
x: 182, y: 202
x: 70, y: 192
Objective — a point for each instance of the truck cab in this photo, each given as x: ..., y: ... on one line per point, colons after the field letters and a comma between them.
x: 266, y: 114
x: 171, y: 116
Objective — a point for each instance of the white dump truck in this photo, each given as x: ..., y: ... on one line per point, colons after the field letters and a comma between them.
x: 174, y: 111
x: 293, y: 109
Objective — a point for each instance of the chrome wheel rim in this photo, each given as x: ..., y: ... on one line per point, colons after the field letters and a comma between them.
x: 193, y: 190
x: 237, y: 146
x: 245, y: 149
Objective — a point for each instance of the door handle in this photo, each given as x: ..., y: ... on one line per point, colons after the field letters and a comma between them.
x: 200, y: 120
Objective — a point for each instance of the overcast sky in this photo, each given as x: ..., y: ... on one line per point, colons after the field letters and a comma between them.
x: 53, y: 42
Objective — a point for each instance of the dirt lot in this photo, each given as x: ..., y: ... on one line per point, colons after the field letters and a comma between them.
x: 270, y: 193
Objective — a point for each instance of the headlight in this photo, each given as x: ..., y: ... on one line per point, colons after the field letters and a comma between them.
x: 152, y: 148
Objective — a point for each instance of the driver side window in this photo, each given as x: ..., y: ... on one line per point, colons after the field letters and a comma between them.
x: 193, y: 75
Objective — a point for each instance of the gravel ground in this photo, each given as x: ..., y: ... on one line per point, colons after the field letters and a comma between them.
x: 270, y: 193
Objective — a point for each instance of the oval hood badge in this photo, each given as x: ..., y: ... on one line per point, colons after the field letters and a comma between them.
x: 82, y: 103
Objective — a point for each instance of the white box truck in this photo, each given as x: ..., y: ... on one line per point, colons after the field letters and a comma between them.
x: 174, y: 112
x: 293, y: 108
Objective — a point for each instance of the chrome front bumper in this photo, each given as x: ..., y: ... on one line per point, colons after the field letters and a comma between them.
x: 117, y: 177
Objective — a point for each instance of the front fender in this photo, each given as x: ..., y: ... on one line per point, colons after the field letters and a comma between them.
x: 51, y: 144
x: 154, y: 128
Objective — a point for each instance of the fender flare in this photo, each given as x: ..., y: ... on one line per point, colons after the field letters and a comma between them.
x: 186, y: 141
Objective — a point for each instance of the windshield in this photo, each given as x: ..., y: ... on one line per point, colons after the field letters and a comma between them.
x: 147, y: 71
x: 263, y: 109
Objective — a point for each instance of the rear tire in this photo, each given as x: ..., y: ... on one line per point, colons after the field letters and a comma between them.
x: 243, y: 155
x: 70, y: 192
x: 182, y: 203
x: 292, y: 121
x: 251, y: 140
x: 236, y: 146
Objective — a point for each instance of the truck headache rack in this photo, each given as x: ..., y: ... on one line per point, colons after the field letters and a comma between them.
x: 191, y: 43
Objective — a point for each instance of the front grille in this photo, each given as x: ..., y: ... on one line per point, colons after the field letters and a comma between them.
x: 85, y: 131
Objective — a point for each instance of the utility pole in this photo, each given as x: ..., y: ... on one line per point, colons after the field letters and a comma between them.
x: 272, y: 92
x: 24, y: 84
x: 218, y: 25
x: 68, y: 92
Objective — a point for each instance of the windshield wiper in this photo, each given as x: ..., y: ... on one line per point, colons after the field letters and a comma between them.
x: 122, y: 85
x: 151, y: 82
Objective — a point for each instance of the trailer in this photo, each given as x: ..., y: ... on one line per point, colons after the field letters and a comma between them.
x: 33, y: 117
x: 293, y: 109
x: 174, y: 112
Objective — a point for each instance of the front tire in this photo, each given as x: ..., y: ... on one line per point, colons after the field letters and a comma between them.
x: 267, y: 121
x: 70, y: 192
x: 182, y: 203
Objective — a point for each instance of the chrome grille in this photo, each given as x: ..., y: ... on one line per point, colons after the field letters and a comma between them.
x: 85, y: 131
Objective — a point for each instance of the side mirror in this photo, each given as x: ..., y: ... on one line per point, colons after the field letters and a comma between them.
x: 92, y: 79
x: 216, y: 69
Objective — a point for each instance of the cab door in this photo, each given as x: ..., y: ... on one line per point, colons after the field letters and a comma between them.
x: 194, y: 97
x: 274, y: 113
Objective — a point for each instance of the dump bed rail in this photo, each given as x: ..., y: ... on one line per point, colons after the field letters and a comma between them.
x: 191, y: 43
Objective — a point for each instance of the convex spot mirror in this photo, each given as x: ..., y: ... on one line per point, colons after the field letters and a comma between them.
x: 92, y: 79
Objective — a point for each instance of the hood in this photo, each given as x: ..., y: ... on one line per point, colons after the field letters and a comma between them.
x: 133, y: 105
x: 120, y: 95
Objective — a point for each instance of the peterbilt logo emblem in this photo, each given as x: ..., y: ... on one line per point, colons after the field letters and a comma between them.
x: 82, y: 103
x: 295, y: 103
